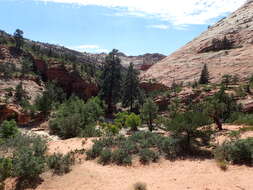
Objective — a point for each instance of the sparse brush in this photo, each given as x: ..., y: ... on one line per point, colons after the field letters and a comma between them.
x: 140, y: 186
x: 222, y: 164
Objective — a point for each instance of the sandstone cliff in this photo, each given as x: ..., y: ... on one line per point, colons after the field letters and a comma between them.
x: 226, y: 47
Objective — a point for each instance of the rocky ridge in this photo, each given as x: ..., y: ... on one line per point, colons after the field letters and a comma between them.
x: 226, y: 48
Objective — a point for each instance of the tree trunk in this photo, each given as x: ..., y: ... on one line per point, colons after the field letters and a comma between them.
x: 218, y: 123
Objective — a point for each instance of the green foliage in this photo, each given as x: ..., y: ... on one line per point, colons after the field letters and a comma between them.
x: 6, y: 168
x: 133, y: 121
x: 76, y: 118
x: 131, y: 89
x: 237, y: 152
x: 111, y: 80
x: 50, y: 97
x: 105, y: 157
x: 146, y: 145
x: 27, y: 66
x: 18, y: 36
x: 147, y: 156
x: 60, y: 164
x: 110, y: 129
x: 120, y: 119
x: 95, y: 151
x: 121, y: 157
x: 21, y: 95
x: 226, y: 80
x: 149, y: 113
x: 7, y: 70
x: 187, y: 126
x: 220, y: 107
x: 26, y: 164
x: 8, y: 129
x: 204, y: 77
x: 243, y: 119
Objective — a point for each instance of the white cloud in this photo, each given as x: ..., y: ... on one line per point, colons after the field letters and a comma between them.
x: 179, y: 12
x: 90, y: 48
x: 159, y: 26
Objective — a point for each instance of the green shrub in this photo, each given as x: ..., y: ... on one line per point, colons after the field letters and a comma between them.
x: 237, y: 152
x: 140, y: 186
x: 76, y: 118
x: 105, y: 157
x: 26, y: 165
x: 8, y: 129
x: 5, y: 168
x: 120, y: 119
x: 121, y: 157
x: 133, y: 121
x: 244, y: 119
x: 60, y: 164
x: 95, y: 151
x: 147, y: 156
x: 170, y: 147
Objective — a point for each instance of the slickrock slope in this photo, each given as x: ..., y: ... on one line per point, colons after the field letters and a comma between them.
x: 226, y: 47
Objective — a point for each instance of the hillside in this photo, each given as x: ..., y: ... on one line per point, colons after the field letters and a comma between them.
x: 226, y: 48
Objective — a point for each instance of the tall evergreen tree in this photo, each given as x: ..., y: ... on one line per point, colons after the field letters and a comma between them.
x: 149, y: 113
x: 111, y: 80
x: 18, y: 36
x: 131, y: 90
x: 204, y: 77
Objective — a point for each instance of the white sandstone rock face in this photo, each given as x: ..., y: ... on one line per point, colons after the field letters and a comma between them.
x: 185, y: 64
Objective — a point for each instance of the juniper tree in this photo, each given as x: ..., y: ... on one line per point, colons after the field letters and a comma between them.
x: 131, y: 90
x: 204, y: 77
x: 111, y: 80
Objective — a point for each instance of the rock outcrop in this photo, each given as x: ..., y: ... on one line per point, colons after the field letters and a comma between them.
x: 71, y: 82
x: 226, y: 48
x: 11, y: 111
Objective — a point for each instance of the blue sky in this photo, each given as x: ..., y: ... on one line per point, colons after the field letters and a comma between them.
x: 132, y: 26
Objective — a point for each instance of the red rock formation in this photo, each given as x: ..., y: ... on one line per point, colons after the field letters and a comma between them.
x: 71, y: 82
x: 11, y: 111
x: 149, y: 87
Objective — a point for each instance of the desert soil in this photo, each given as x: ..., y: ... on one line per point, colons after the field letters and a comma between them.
x: 164, y: 175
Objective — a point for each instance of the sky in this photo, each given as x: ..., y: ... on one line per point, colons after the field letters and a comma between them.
x: 134, y: 27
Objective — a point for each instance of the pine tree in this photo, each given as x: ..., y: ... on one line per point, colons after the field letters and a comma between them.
x: 204, y: 77
x: 131, y: 90
x: 20, y: 94
x: 18, y: 36
x: 149, y: 113
x: 111, y: 80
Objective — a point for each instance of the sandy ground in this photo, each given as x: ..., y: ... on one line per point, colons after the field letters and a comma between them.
x: 164, y: 175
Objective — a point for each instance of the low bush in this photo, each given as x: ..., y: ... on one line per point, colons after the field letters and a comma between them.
x: 147, y: 156
x: 121, y: 157
x: 60, y: 164
x: 105, y: 157
x: 8, y: 129
x: 140, y: 186
x: 236, y: 152
x: 146, y: 145
x: 27, y: 165
x: 133, y: 121
x: 5, y: 168
x: 95, y: 151
x: 244, y: 119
